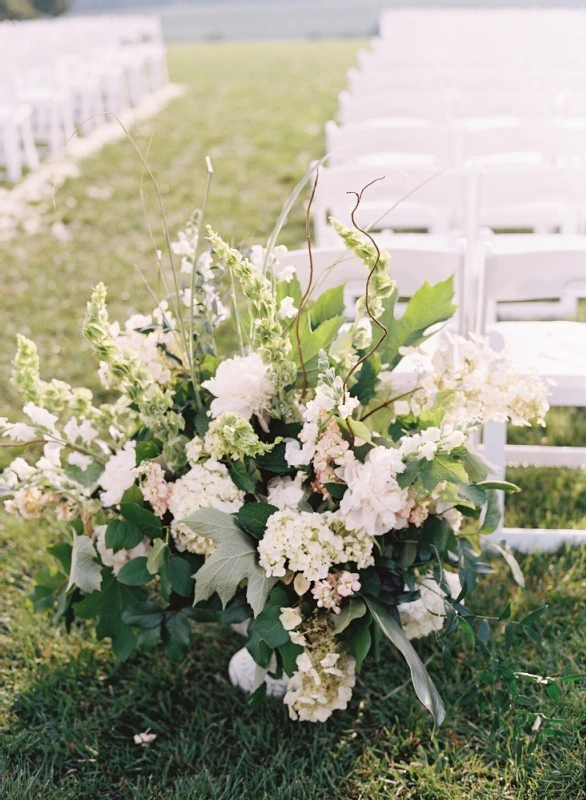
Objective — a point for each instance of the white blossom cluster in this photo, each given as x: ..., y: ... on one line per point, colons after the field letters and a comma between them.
x: 241, y: 384
x: 478, y: 383
x: 148, y: 338
x: 330, y: 592
x: 374, y: 503
x: 434, y: 440
x: 206, y: 485
x: 322, y: 684
x: 428, y: 613
x: 309, y: 543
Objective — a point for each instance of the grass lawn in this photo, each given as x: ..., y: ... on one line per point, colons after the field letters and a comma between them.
x: 67, y: 711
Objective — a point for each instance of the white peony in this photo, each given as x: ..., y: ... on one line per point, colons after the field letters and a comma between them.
x: 374, y: 502
x: 118, y: 475
x: 427, y: 614
x: 241, y: 385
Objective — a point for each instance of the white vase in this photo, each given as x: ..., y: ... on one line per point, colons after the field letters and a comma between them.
x: 245, y: 673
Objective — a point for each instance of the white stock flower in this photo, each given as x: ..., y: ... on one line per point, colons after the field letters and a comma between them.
x: 118, y: 475
x: 40, y: 416
x: 117, y: 560
x: 206, y: 485
x: 86, y: 432
x: 19, y: 432
x: 374, y: 503
x: 435, y: 440
x: 241, y: 384
x: 286, y: 274
x: 79, y: 460
x: 427, y: 614
x: 287, y: 309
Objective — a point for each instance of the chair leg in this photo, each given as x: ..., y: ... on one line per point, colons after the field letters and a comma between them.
x: 12, y: 152
x: 31, y: 155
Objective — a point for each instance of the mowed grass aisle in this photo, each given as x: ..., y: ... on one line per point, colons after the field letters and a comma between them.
x: 68, y: 712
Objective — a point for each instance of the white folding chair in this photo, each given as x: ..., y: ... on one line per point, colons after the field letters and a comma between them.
x: 513, y: 142
x: 554, y: 351
x: 522, y: 105
x: 17, y: 146
x: 373, y: 80
x: 408, y: 105
x: 541, y: 198
x: 403, y: 140
x: 415, y: 199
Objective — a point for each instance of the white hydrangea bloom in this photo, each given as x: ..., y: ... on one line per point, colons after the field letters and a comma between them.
x: 79, y: 460
x: 206, y: 485
x: 241, y: 384
x: 427, y: 614
x: 320, y: 686
x: 118, y: 475
x: 374, y: 502
x: 290, y: 618
x: 286, y: 492
x: 308, y: 543
x: 193, y: 450
x: 18, y: 431
x: 119, y: 559
x: 479, y: 383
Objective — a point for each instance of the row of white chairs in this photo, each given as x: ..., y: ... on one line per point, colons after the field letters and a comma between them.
x: 474, y: 36
x: 412, y: 142
x: 389, y: 76
x: 69, y: 82
x: 554, y: 351
x: 444, y: 106
x: 542, y: 199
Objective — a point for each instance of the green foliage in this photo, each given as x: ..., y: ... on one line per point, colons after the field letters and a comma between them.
x: 234, y: 560
x: 429, y: 306
x: 146, y: 522
x: 122, y: 535
x: 253, y: 517
x: 328, y: 305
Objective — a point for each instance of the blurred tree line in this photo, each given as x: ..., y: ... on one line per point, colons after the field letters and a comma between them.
x: 28, y: 9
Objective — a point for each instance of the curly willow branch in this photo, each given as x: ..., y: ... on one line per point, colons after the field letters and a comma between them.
x: 309, y: 286
x: 385, y: 331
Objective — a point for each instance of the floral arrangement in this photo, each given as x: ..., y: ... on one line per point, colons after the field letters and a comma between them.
x: 261, y: 459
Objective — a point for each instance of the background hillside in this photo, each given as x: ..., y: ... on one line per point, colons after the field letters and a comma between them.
x: 192, y: 20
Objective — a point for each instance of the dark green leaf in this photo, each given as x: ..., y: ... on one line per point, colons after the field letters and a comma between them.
x: 253, y: 517
x: 176, y: 635
x: 337, y: 490
x: 441, y: 468
x: 467, y: 630
x: 267, y: 626
x: 359, y: 639
x: 146, y: 450
x: 447, y: 659
x: 353, y: 609
x: 202, y: 422
x: 135, y: 572
x: 145, y: 520
x: 122, y: 535
x: 492, y: 517
x: 422, y: 683
x: 274, y: 461
x: 365, y: 387
x: 145, y: 616
x: 62, y: 552
x: 534, y: 616
x: 484, y: 632
x: 242, y: 476
x: 289, y: 653
x: 157, y: 556
x: 181, y: 579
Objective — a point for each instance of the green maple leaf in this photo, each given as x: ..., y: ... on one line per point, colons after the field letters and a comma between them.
x: 234, y: 560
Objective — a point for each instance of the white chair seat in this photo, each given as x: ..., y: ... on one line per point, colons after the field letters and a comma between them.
x: 552, y: 350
